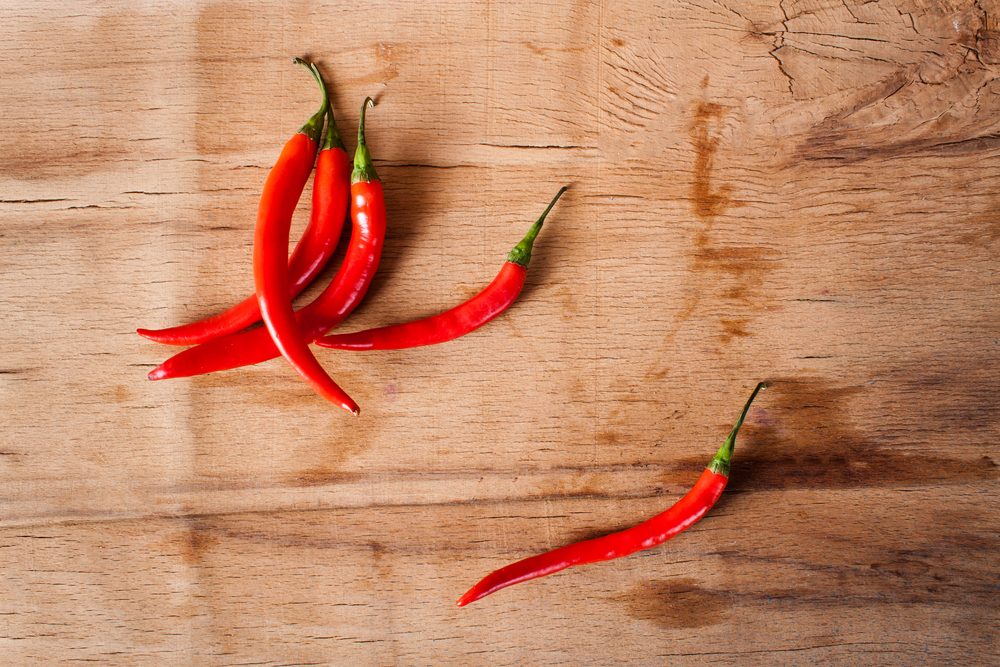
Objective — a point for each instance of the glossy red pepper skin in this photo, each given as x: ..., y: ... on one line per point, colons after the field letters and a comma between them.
x: 270, y: 269
x: 337, y: 301
x: 682, y: 515
x: 458, y: 321
x: 311, y: 253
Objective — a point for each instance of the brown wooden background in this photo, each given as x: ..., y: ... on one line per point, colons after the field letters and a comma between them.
x: 803, y: 192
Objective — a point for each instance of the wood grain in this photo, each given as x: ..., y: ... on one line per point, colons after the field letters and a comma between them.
x: 802, y: 192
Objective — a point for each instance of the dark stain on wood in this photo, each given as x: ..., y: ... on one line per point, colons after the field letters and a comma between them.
x: 196, y: 540
x: 322, y: 475
x: 735, y: 328
x: 676, y: 603
x: 810, y: 442
x: 932, y: 567
x: 545, y: 50
x: 537, y: 50
x: 706, y: 200
x: 744, y: 266
x: 736, y: 260
x: 380, y: 562
x: 609, y: 437
x: 964, y: 397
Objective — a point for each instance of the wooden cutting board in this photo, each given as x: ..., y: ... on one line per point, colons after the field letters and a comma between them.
x: 802, y: 192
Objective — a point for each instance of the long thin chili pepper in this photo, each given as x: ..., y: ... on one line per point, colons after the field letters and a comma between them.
x: 460, y: 320
x: 270, y: 262
x: 311, y: 253
x: 330, y: 308
x: 684, y: 514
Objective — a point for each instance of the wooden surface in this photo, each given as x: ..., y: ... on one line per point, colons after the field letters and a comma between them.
x: 803, y: 192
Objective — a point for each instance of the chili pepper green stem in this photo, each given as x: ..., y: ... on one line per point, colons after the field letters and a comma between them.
x: 332, y: 137
x: 521, y: 254
x: 313, y: 127
x: 364, y: 168
x: 721, y: 461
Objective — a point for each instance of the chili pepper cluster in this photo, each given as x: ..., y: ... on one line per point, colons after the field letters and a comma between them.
x: 223, y: 341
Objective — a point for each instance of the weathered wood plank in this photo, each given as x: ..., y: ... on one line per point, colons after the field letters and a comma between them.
x: 376, y: 586
x: 801, y: 192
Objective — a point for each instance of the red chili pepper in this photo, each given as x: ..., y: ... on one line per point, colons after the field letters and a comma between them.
x: 311, y: 253
x: 460, y: 320
x: 270, y: 261
x: 330, y: 308
x: 684, y: 514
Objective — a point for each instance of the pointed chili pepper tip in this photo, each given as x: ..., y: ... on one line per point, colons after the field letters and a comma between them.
x: 154, y: 335
x: 720, y: 463
x: 521, y: 254
x: 158, y: 373
x: 313, y: 128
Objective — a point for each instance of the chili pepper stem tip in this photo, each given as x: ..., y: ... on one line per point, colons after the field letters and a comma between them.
x: 521, y: 254
x: 720, y: 463
x: 313, y: 128
x: 364, y: 168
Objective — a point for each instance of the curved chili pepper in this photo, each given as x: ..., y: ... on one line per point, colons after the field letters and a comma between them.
x: 682, y: 515
x: 311, y: 253
x: 270, y: 264
x: 460, y: 320
x: 330, y: 308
